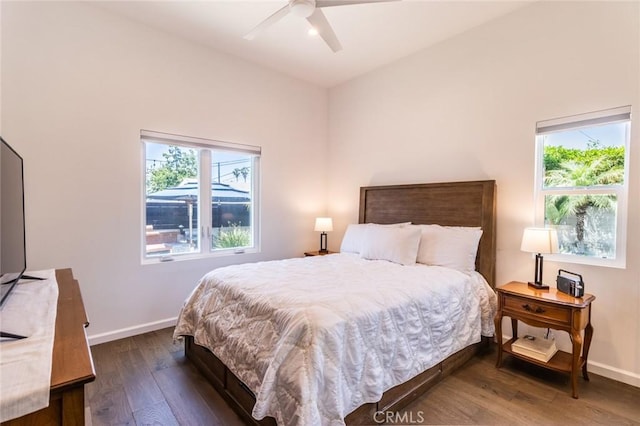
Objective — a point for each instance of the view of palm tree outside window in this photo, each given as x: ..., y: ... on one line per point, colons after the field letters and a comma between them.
x: 173, y: 191
x: 583, y: 170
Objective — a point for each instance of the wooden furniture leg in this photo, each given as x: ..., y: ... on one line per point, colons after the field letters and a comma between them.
x: 498, y: 323
x: 73, y: 407
x: 576, y: 339
x: 588, y: 334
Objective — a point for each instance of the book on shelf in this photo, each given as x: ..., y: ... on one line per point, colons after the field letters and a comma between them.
x: 536, y: 348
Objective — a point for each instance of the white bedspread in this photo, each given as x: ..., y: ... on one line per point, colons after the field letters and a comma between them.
x: 316, y: 337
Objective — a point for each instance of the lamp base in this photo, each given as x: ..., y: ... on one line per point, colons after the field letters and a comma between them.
x: 323, y: 243
x: 539, y: 286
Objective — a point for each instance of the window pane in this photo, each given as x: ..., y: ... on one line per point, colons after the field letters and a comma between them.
x: 231, y: 200
x: 171, y: 207
x: 591, y: 156
x: 586, y: 224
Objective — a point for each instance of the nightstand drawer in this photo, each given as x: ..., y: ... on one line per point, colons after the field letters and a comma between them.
x: 540, y: 310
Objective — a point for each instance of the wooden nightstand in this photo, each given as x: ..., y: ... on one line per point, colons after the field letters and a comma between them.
x: 547, y: 309
x: 317, y: 253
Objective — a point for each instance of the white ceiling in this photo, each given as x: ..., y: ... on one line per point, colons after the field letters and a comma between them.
x: 372, y: 35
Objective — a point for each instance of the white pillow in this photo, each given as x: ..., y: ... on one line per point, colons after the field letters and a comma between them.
x: 354, y: 235
x: 395, y: 244
x: 451, y: 246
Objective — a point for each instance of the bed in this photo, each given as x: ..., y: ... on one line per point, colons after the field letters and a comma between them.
x: 321, y: 376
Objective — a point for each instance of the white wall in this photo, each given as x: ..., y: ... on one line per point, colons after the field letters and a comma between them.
x: 78, y: 85
x: 466, y: 109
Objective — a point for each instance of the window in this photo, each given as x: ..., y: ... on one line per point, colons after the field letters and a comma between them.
x: 200, y: 197
x: 581, y: 184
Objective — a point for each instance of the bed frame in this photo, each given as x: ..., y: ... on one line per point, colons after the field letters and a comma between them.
x: 450, y: 204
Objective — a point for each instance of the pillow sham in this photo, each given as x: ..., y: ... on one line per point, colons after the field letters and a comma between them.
x: 394, y: 244
x: 451, y: 246
x: 354, y: 235
x: 352, y: 239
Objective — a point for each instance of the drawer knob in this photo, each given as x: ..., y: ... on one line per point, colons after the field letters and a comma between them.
x: 528, y: 308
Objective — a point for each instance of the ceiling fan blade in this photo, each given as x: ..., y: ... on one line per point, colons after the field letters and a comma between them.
x: 330, y: 3
x: 320, y: 23
x: 268, y: 22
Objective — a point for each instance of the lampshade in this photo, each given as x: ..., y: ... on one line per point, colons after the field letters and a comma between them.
x: 324, y: 224
x: 540, y: 240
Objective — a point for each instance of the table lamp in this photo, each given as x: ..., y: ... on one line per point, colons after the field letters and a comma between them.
x: 539, y: 241
x: 323, y: 225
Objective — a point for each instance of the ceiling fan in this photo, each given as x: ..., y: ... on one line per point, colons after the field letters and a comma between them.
x: 310, y: 9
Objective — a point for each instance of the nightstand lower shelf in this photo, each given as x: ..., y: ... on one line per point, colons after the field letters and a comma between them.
x: 561, y: 361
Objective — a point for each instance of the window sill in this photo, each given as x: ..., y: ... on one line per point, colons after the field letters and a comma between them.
x: 195, y: 256
x: 584, y: 260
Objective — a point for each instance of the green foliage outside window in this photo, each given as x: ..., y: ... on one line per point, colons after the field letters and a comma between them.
x: 241, y: 171
x: 179, y: 164
x: 595, y: 160
x: 233, y: 236
x: 595, y: 166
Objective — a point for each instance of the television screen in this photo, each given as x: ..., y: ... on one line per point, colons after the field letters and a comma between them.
x: 12, y: 238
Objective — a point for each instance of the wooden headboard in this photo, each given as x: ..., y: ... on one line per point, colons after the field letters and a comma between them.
x: 449, y: 204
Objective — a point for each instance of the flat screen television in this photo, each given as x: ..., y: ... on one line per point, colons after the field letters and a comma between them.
x: 13, y: 259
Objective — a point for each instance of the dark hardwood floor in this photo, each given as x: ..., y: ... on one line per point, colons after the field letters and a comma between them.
x: 146, y: 380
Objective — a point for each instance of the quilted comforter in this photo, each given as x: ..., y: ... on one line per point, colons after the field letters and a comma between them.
x: 316, y: 337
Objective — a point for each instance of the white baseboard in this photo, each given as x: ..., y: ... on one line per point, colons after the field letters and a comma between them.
x: 96, y: 339
x: 87, y: 416
x: 613, y: 373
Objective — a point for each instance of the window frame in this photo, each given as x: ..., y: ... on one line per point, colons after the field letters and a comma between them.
x: 205, y: 148
x: 574, y: 122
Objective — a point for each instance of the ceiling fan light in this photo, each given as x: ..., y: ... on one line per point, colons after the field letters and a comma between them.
x: 302, y: 8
